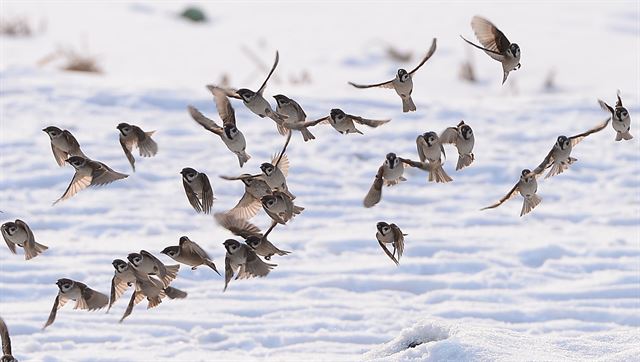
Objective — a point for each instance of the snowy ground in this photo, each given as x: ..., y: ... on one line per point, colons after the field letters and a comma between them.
x: 562, y: 283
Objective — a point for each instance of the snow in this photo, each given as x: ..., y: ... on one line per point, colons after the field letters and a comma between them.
x: 562, y: 283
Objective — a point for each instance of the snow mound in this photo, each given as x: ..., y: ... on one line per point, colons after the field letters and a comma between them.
x: 430, y: 340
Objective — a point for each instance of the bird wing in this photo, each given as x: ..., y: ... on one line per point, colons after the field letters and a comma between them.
x: 10, y: 244
x: 509, y: 195
x: 282, y: 158
x: 420, y: 143
x: 207, y: 193
x: 225, y: 110
x: 420, y: 165
x: 194, y: 248
x: 373, y: 123
x: 30, y: 244
x: 273, y: 68
x: 58, y: 303
x: 59, y: 155
x: 118, y: 287
x: 92, y: 299
x: 548, y: 160
x: 192, y: 197
x: 375, y: 192
x: 235, y: 178
x: 73, y: 144
x: 247, y: 207
x: 103, y: 174
x: 132, y: 303
x: 387, y: 84
x: 605, y: 107
x: 256, y: 267
x: 237, y: 226
x: 80, y: 181
x: 126, y: 147
x: 205, y: 122
x: 146, y: 145
x: 579, y: 137
x: 162, y: 269
x: 386, y: 251
x: 449, y: 135
x: 398, y: 236
x: 426, y: 57
x: 228, y: 272
x: 6, y: 340
x: 489, y: 35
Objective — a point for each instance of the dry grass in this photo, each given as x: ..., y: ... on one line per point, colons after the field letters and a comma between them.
x: 15, y: 27
x: 73, y: 61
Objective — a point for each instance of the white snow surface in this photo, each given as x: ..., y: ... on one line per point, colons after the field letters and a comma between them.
x: 562, y: 283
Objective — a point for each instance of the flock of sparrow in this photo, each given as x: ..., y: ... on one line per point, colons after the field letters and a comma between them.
x: 268, y: 190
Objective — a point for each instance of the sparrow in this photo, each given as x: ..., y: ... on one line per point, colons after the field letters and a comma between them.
x: 63, y: 144
x: 403, y: 82
x: 344, y: 123
x: 20, y: 234
x: 621, y: 120
x: 189, y: 253
x: 429, y: 149
x: 198, y: 189
x: 6, y: 343
x: 146, y: 263
x: 153, y: 290
x: 462, y: 137
x: 496, y: 45
x: 391, y: 234
x: 85, y: 298
x: 275, y: 173
x: 389, y: 174
x: 296, y: 118
x: 133, y: 136
x: 252, y: 235
x: 527, y: 186
x: 254, y: 189
x: 279, y: 206
x: 122, y: 279
x: 88, y: 173
x: 229, y: 133
x: 559, y: 158
x: 243, y: 262
x: 255, y: 101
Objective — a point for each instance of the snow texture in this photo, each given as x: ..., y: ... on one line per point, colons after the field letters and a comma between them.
x: 561, y: 283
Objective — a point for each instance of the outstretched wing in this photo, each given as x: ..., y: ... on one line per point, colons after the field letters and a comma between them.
x: 80, y: 181
x: 237, y: 226
x: 579, y: 137
x: 489, y: 35
x: 205, y: 122
x: 225, y: 110
x: 281, y: 158
x: 548, y: 160
x: 449, y: 135
x: 511, y: 194
x: 387, y: 84
x: 103, y: 174
x: 426, y: 57
x: 368, y: 122
x: 273, y: 68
